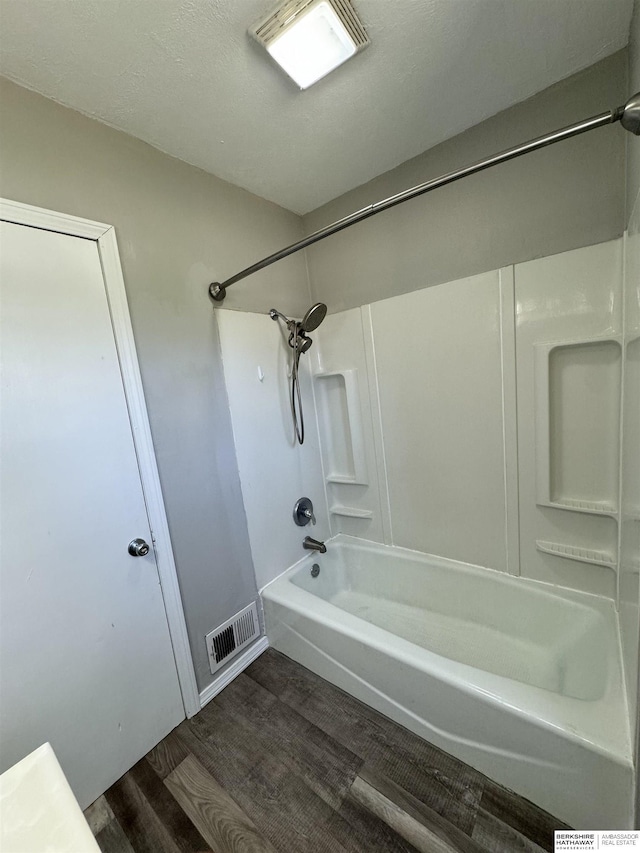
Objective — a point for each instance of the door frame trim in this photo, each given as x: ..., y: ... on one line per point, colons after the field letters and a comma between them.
x: 105, y: 238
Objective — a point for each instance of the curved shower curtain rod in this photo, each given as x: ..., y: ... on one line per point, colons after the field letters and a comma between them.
x: 628, y: 115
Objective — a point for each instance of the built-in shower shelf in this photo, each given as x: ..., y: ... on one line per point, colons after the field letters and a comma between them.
x: 589, y: 507
x: 350, y: 511
x: 341, y: 429
x: 577, y: 426
x: 583, y: 555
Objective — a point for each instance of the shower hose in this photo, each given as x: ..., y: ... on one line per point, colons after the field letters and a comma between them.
x: 296, y: 398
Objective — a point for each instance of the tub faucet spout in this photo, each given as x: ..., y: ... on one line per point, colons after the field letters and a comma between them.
x: 313, y: 545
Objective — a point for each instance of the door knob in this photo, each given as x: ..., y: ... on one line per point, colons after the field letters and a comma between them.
x: 138, y: 548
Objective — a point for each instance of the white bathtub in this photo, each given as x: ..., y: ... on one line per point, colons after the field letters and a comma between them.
x: 521, y: 680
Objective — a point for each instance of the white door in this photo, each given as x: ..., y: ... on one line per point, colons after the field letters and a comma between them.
x: 86, y: 661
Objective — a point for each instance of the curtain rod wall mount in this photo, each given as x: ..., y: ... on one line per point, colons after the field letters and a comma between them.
x: 628, y: 116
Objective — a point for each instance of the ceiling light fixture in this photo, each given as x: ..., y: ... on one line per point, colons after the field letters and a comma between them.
x: 309, y: 38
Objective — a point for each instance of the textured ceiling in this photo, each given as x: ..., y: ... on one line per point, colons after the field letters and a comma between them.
x: 184, y: 76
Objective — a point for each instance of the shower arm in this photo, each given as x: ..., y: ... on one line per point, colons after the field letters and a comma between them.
x: 275, y: 315
x: 628, y: 115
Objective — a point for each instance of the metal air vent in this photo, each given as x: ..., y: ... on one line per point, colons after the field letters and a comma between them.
x: 228, y: 639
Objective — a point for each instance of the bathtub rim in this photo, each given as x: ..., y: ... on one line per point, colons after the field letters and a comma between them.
x: 497, y: 690
x: 602, y: 603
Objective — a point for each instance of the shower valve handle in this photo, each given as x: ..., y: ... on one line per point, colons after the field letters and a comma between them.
x: 303, y: 512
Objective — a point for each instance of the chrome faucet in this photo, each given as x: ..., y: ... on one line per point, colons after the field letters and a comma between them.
x: 313, y: 545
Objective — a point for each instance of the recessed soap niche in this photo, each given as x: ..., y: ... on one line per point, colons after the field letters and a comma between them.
x: 341, y: 427
x: 577, y: 392
x: 343, y: 445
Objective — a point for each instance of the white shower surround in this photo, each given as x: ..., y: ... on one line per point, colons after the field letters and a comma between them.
x: 570, y: 752
x: 536, y: 703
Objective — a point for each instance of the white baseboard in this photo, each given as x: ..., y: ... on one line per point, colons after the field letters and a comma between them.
x: 241, y: 663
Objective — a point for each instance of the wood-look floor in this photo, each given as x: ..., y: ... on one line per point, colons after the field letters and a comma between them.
x: 282, y: 760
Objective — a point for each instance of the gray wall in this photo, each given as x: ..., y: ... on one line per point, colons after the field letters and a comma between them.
x: 633, y: 143
x: 178, y: 228
x: 559, y: 198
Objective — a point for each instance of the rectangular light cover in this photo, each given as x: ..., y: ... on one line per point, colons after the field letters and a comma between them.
x: 308, y: 40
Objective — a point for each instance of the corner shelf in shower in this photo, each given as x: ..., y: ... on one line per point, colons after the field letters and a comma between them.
x: 341, y: 427
x: 582, y: 555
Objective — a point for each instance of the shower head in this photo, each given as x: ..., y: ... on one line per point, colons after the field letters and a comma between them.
x: 311, y: 320
x: 299, y: 343
x: 314, y: 316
